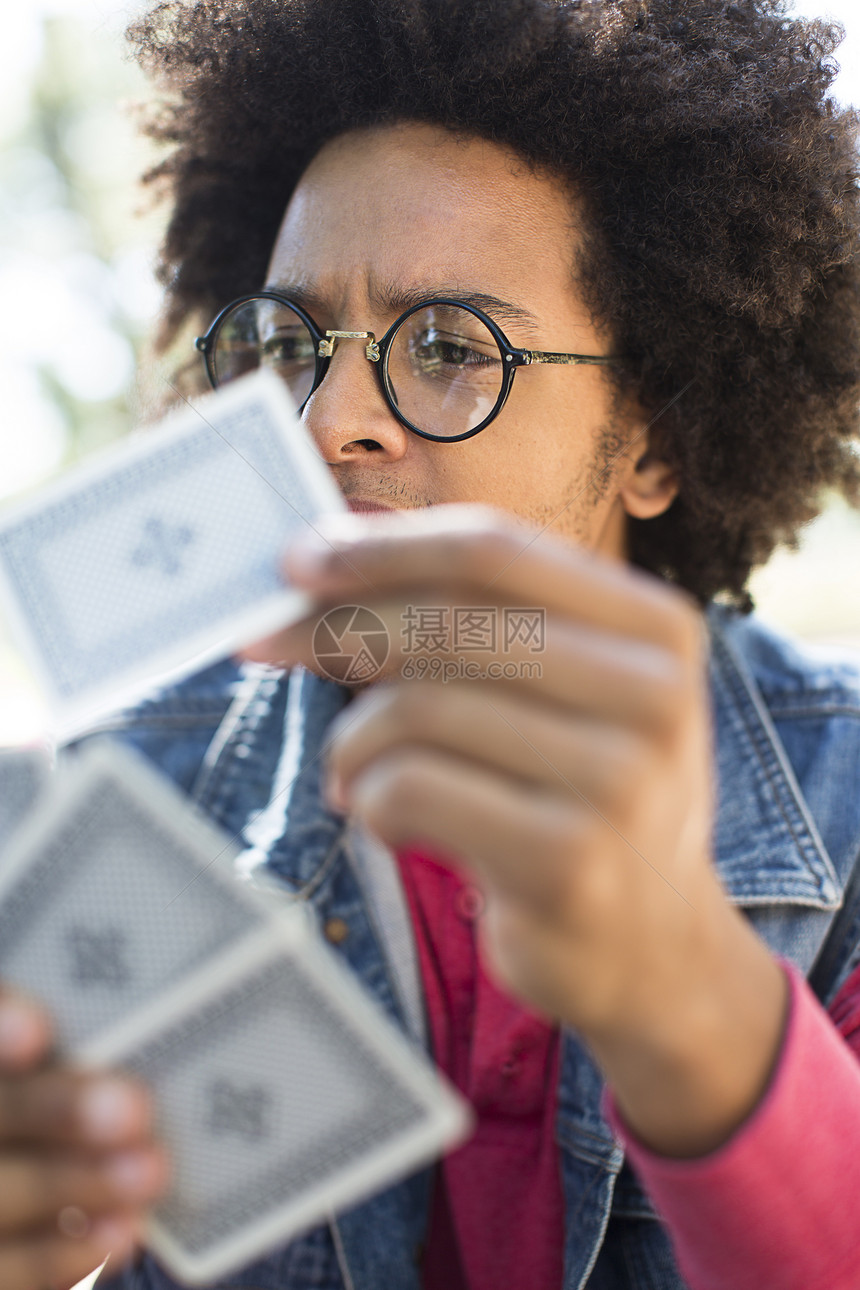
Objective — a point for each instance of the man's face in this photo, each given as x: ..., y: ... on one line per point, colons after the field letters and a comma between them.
x: 414, y: 207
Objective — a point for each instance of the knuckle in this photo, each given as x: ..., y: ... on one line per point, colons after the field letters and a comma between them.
x: 597, y: 888
x: 33, y: 1189
x: 669, y: 691
x: 412, y: 709
x: 393, y: 792
x: 26, y: 1030
x: 626, y: 759
x: 562, y: 840
x: 502, y: 924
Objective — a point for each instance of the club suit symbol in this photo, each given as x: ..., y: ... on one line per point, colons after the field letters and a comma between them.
x: 97, y: 956
x: 161, y: 545
x: 236, y: 1111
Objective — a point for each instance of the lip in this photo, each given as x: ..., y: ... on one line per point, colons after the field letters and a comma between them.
x: 362, y: 506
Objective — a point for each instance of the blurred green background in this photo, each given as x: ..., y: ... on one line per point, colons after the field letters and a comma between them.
x: 77, y: 241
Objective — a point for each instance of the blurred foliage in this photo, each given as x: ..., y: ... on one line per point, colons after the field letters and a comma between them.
x: 75, y: 255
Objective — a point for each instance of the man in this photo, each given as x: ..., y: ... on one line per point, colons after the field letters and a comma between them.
x: 651, y: 209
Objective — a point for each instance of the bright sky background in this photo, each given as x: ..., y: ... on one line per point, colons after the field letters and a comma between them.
x: 21, y: 22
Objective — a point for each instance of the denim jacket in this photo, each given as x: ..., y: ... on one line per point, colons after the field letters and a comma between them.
x: 248, y: 745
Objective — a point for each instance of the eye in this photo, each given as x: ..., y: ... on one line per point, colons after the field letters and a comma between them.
x: 434, y: 350
x: 287, y: 347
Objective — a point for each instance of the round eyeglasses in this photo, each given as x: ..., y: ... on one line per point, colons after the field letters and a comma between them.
x: 445, y: 368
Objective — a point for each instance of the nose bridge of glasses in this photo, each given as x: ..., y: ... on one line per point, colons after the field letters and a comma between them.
x: 371, y: 349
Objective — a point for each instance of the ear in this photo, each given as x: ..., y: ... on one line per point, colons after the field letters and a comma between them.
x: 650, y: 485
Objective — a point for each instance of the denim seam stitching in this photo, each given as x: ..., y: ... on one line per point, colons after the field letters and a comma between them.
x: 340, y: 1253
x: 776, y: 768
x: 213, y: 774
x: 322, y: 872
x: 788, y: 713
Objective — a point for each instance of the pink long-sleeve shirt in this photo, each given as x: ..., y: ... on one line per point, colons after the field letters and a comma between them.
x: 775, y: 1206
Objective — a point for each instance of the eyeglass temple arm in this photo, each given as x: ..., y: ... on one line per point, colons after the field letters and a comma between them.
x: 529, y: 356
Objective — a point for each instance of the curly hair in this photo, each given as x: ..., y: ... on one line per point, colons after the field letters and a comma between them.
x: 718, y: 181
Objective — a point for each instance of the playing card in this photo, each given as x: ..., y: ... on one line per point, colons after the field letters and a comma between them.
x: 165, y: 552
x: 114, y: 891
x: 283, y: 1093
x: 24, y: 774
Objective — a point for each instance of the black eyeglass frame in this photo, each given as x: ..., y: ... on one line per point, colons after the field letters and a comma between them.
x: 377, y: 351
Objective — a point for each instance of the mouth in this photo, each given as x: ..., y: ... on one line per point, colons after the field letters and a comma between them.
x: 364, y: 506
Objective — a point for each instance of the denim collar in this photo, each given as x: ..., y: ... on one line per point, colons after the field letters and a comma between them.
x: 767, y: 847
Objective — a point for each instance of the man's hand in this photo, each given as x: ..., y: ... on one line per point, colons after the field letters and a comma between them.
x: 581, y: 800
x: 77, y: 1160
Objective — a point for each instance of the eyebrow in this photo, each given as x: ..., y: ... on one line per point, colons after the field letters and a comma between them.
x: 394, y: 299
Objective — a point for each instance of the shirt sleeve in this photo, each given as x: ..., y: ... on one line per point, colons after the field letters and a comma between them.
x: 777, y: 1204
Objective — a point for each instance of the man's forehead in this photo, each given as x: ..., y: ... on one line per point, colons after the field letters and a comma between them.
x: 385, y: 219
x: 396, y: 179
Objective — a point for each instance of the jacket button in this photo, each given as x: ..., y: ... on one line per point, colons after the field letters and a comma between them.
x: 469, y: 903
x: 418, y: 1254
x: 336, y: 930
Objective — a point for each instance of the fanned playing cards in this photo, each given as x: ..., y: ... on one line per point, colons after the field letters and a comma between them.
x: 282, y: 1091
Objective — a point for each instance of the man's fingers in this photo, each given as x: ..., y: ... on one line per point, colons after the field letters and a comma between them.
x: 494, y: 826
x: 57, y: 1107
x: 489, y: 553
x: 587, y: 670
x: 48, y: 1260
x: 25, y: 1032
x: 529, y: 844
x: 496, y: 728
x: 34, y: 1190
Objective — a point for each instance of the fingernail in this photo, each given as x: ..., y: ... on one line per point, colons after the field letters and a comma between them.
x: 136, y: 1173
x: 109, y: 1109
x: 20, y: 1028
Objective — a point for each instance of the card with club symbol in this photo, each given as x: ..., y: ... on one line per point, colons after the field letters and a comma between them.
x: 164, y: 552
x: 285, y: 1094
x: 115, y: 890
x: 281, y: 1089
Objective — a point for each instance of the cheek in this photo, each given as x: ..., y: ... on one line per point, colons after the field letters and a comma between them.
x: 541, y: 459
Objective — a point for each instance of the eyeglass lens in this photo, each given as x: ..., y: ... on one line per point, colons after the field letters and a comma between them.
x: 264, y: 333
x: 443, y: 369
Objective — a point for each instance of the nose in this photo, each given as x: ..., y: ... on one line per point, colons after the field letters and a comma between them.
x: 348, y: 415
